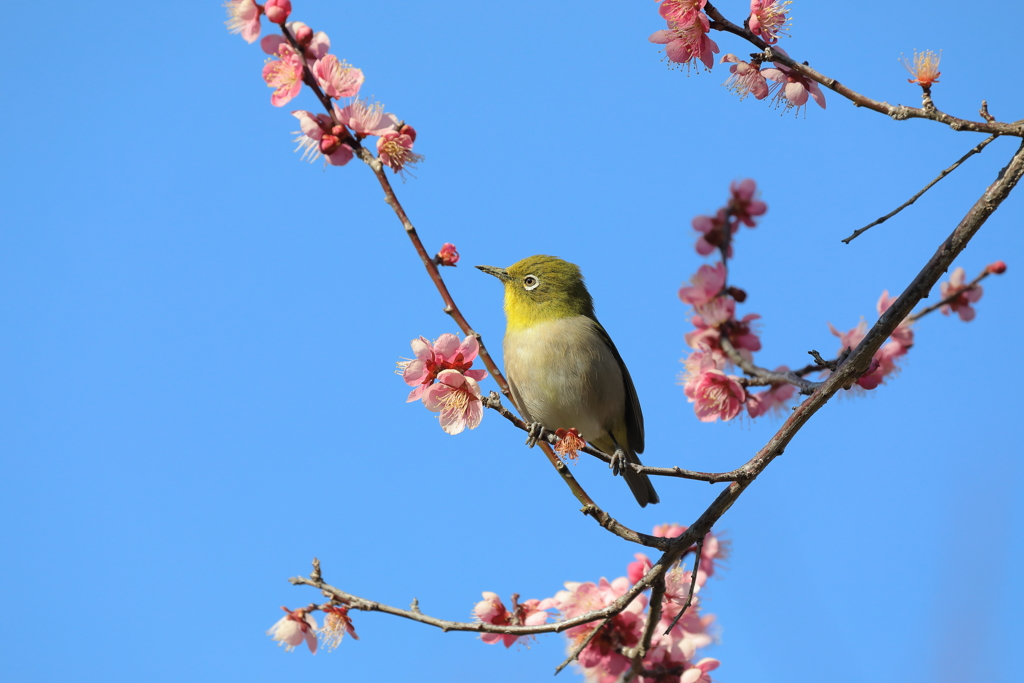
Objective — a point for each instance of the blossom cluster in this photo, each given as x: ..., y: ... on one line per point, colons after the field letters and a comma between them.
x: 686, y: 41
x: 715, y: 394
x: 298, y: 626
x: 443, y: 381
x: 672, y: 656
x: 305, y: 58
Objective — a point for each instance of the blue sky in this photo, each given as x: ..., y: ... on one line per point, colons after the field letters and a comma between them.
x: 196, y: 388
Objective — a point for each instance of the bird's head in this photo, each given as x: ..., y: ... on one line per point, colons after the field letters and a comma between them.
x: 541, y: 288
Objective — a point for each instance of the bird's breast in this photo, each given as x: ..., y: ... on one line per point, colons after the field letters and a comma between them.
x: 566, y: 375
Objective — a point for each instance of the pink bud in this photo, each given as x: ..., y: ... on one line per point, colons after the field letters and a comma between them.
x: 304, y: 35
x: 338, y: 131
x: 408, y: 130
x: 277, y: 11
x: 448, y: 256
x: 996, y: 268
x: 329, y: 144
x: 738, y: 294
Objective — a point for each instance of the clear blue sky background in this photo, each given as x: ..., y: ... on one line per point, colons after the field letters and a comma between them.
x: 199, y: 334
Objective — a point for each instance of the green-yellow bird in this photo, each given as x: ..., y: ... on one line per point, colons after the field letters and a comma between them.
x: 562, y: 367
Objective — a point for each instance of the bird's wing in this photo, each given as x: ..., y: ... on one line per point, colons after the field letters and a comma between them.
x: 517, y: 397
x: 634, y: 416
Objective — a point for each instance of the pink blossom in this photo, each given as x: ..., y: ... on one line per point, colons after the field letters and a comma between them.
x: 395, y: 150
x: 277, y: 11
x: 745, y: 78
x: 792, y: 88
x: 712, y: 231
x: 969, y: 294
x: 491, y: 610
x: 638, y: 569
x: 320, y: 135
x: 688, y: 41
x: 337, y: 623
x: 338, y: 79
x: 672, y: 530
x: 314, y: 45
x: 667, y: 657
x: 691, y: 631
x: 446, y: 353
x: 698, y: 673
x: 293, y: 628
x: 457, y: 398
x: 284, y: 74
x: 883, y: 363
x: 707, y: 337
x: 717, y: 311
x: 742, y: 205
x: 569, y: 442
x: 714, y: 394
x: 447, y: 256
x: 706, y: 285
x: 365, y: 118
x: 243, y: 18
x: 774, y: 399
x: 768, y: 19
x: 681, y: 11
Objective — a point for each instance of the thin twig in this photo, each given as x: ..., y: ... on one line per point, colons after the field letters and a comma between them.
x: 974, y: 150
x: 898, y: 112
x: 693, y: 583
x: 806, y: 387
x: 580, y: 646
x: 949, y: 299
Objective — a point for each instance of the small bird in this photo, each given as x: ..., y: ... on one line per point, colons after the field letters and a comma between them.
x: 562, y: 367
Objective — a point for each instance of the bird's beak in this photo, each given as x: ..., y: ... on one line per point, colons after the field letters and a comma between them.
x: 499, y: 273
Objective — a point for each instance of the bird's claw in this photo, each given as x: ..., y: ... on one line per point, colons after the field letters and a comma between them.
x: 618, y: 462
x: 533, y: 430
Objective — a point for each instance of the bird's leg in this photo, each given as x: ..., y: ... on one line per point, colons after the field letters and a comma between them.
x: 619, y: 460
x: 533, y: 429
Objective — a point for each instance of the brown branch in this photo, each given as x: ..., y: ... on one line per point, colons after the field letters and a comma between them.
x: 766, y: 376
x: 974, y: 150
x: 898, y: 112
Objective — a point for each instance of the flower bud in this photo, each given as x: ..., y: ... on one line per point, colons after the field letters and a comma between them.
x: 996, y: 268
x: 338, y: 131
x: 277, y: 11
x: 408, y: 130
x: 448, y: 256
x: 304, y: 35
x: 329, y: 144
x: 738, y: 294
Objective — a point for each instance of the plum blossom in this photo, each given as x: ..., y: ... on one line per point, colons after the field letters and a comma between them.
x: 602, y: 657
x: 712, y: 550
x: 395, y: 149
x: 715, y: 395
x: 447, y: 256
x: 712, y: 233
x: 688, y: 41
x: 491, y: 610
x: 792, y: 88
x: 925, y: 70
x: 742, y: 205
x: 320, y: 135
x: 337, y: 623
x: 365, y: 118
x: 446, y: 353
x: 293, y: 628
x: 284, y: 74
x: 968, y: 294
x: 457, y: 398
x: 699, y: 672
x: 883, y: 363
x: 672, y: 530
x: 706, y: 284
x: 717, y: 311
x: 569, y: 441
x: 277, y: 11
x: 314, y: 45
x: 745, y: 78
x: 768, y: 19
x: 774, y: 399
x: 338, y: 79
x: 637, y: 569
x: 681, y: 11
x: 243, y: 18
x: 707, y: 337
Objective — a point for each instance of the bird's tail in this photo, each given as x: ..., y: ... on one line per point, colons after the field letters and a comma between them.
x: 639, y: 484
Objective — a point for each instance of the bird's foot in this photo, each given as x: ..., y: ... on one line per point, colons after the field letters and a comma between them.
x: 618, y: 461
x: 533, y: 429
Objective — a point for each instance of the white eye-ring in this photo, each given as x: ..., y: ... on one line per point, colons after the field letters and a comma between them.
x: 530, y: 282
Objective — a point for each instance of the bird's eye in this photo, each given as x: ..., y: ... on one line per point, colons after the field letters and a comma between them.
x: 530, y: 282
